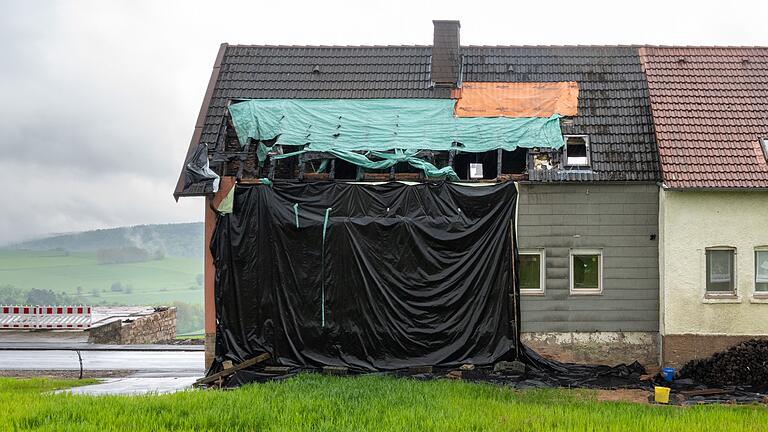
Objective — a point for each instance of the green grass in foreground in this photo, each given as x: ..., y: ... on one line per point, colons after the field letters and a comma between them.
x: 369, y: 403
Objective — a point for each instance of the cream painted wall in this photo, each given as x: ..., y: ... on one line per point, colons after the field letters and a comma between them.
x: 689, y: 222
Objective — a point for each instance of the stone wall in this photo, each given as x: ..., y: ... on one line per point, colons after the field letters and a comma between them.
x: 608, y: 348
x: 148, y: 329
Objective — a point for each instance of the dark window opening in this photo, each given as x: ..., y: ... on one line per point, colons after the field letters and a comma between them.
x: 514, y: 162
x: 577, y: 151
x: 345, y: 170
x: 466, y: 164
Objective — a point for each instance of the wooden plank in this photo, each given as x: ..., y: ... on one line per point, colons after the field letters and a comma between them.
x: 317, y: 176
x: 218, y: 375
x: 705, y: 392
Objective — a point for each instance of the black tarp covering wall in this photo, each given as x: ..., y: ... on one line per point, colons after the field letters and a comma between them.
x: 397, y: 275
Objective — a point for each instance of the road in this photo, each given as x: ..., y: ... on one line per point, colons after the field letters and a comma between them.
x: 155, y: 371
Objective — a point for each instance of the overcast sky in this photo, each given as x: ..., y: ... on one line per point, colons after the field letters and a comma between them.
x: 98, y: 99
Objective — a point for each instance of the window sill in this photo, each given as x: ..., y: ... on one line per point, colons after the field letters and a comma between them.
x: 721, y: 299
x: 759, y: 299
x: 532, y: 293
x: 586, y: 293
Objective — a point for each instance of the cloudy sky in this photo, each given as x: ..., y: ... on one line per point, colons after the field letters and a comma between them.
x: 98, y: 99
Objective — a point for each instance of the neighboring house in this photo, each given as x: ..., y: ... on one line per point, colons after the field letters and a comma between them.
x: 588, y: 213
x: 710, y: 110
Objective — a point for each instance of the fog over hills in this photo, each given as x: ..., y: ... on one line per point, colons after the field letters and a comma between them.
x: 175, y: 240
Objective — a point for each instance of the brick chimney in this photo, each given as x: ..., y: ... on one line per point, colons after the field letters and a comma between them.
x: 445, y: 54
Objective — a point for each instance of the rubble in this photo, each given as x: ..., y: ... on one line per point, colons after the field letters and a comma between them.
x: 742, y: 365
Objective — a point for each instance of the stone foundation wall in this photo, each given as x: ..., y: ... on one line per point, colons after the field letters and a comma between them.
x: 148, y: 329
x: 608, y: 348
x: 680, y: 349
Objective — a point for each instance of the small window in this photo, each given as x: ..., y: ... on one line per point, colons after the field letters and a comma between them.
x: 764, y: 145
x: 576, y: 151
x: 586, y: 271
x: 532, y: 272
x: 761, y: 271
x: 720, y: 271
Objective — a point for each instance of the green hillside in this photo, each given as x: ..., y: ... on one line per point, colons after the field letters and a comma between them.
x: 151, y: 282
x: 174, y: 240
x: 140, y: 265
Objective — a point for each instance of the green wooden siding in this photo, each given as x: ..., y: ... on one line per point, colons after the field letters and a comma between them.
x: 617, y: 218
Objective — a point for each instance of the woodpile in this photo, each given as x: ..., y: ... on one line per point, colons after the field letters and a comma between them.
x: 742, y: 365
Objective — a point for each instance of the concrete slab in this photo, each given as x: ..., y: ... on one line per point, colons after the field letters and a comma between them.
x: 144, y: 361
x: 43, y: 336
x: 81, y: 346
x: 135, y: 385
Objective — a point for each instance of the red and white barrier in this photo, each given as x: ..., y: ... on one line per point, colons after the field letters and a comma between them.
x: 45, y: 317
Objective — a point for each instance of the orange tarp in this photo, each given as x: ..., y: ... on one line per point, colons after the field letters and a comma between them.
x: 516, y: 99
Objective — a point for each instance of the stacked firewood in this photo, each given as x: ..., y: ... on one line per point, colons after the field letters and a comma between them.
x: 742, y: 365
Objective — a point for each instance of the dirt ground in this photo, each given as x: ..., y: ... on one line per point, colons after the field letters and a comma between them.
x: 623, y: 395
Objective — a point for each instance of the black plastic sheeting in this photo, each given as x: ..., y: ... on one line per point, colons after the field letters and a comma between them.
x: 198, y: 172
x: 395, y: 276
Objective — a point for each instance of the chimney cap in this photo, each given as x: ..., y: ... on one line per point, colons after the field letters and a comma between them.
x: 447, y: 22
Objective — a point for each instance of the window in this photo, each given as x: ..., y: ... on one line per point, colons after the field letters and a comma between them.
x: 720, y: 271
x: 586, y: 271
x: 764, y: 145
x: 576, y: 151
x: 532, y: 272
x: 761, y: 271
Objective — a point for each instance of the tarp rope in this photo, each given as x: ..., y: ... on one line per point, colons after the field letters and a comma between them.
x: 296, y: 213
x: 322, y: 270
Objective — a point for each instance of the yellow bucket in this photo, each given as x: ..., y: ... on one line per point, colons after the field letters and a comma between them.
x: 662, y: 394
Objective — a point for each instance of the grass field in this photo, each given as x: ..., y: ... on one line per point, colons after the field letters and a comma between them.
x: 370, y: 403
x: 152, y: 282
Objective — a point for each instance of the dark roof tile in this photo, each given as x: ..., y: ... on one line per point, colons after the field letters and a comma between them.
x: 613, y: 95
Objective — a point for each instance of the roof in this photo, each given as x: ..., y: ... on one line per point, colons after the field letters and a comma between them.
x: 613, y: 106
x: 710, y: 107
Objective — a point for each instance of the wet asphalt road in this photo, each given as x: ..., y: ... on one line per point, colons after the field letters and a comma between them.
x: 156, y: 371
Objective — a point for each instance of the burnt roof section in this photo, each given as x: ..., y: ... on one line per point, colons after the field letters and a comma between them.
x: 710, y: 108
x: 613, y: 106
x: 613, y: 101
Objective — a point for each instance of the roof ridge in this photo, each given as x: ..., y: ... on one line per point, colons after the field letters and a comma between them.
x: 327, y: 46
x: 509, y: 46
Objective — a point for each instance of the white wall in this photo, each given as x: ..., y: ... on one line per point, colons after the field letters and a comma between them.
x: 691, y: 221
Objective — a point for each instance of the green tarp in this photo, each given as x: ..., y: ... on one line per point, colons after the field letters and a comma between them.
x: 386, y: 124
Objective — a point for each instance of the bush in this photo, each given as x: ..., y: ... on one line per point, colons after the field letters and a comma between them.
x: 9, y: 294
x: 189, y: 317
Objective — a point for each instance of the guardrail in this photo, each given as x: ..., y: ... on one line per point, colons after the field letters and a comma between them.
x: 45, y: 317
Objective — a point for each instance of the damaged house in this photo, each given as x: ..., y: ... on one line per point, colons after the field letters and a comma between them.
x: 299, y: 150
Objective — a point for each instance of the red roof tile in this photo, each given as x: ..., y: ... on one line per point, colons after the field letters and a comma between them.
x: 710, y: 109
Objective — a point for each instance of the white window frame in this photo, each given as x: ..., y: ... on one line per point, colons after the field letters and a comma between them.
x: 542, y: 272
x: 755, y: 293
x: 588, y: 162
x: 586, y: 291
x: 764, y: 146
x: 727, y: 295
